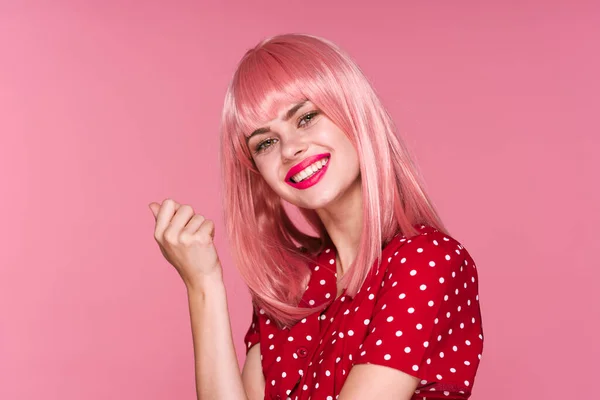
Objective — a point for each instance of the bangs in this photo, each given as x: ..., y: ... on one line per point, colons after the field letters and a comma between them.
x: 261, y: 89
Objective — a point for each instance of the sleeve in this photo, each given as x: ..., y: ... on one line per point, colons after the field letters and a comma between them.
x: 252, y: 335
x: 418, y: 280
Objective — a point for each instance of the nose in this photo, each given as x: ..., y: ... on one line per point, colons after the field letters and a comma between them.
x: 293, y: 146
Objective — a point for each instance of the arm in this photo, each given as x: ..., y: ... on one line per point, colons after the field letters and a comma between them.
x: 252, y: 375
x: 217, y: 371
x: 186, y: 241
x: 370, y: 381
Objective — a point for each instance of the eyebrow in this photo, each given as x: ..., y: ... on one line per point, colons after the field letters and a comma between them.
x: 289, y: 114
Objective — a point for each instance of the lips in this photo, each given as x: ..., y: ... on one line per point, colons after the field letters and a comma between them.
x: 305, y: 163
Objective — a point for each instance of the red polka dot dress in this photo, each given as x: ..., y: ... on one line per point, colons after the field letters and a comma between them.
x: 418, y: 313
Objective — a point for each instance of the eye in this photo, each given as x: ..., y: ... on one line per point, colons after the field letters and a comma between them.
x: 307, y: 118
x: 264, y: 145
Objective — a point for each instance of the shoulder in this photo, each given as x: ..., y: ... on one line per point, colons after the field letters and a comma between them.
x: 429, y: 250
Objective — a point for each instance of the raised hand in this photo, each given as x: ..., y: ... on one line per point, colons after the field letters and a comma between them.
x: 186, y: 241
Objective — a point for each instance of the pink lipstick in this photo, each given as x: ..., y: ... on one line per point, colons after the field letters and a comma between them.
x: 312, y: 179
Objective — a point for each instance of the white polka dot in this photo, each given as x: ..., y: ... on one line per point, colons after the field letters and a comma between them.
x: 327, y: 251
x: 366, y: 322
x: 328, y: 373
x: 430, y: 304
x: 432, y: 263
x: 442, y: 354
x: 453, y: 370
x: 419, y: 250
x: 454, y: 348
x: 390, y: 319
x: 363, y: 353
x: 350, y: 332
x: 407, y: 349
x: 448, y: 314
x: 419, y: 326
x: 398, y: 333
x: 331, y: 261
x: 387, y: 357
x: 415, y: 367
x: 426, y: 344
x: 378, y: 343
x: 413, y: 272
x: 411, y: 310
x: 467, y: 383
x: 423, y: 287
x: 447, y: 257
x: 322, y: 281
x: 278, y: 359
x: 341, y: 335
x: 271, y: 347
x: 467, y: 363
x: 435, y: 242
x: 468, y: 342
x: 462, y: 325
x: 290, y: 339
x: 273, y: 382
x: 439, y: 377
x: 403, y: 260
x: 371, y: 296
x: 283, y: 374
x: 402, y: 295
x: 309, y: 338
x: 428, y: 361
x: 317, y: 268
x: 271, y: 336
x: 311, y: 302
x: 327, y: 295
x: 442, y: 279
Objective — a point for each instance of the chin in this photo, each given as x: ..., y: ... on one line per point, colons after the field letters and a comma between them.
x: 317, y: 200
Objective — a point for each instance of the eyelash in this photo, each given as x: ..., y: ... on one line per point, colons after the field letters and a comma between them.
x: 260, y: 147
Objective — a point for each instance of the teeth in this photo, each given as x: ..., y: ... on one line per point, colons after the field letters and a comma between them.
x: 310, y: 170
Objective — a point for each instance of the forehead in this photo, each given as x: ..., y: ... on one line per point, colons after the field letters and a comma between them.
x: 282, y: 111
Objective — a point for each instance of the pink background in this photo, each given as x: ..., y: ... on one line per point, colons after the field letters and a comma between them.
x: 106, y: 106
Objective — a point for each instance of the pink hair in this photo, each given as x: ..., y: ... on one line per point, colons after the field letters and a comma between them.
x: 271, y: 253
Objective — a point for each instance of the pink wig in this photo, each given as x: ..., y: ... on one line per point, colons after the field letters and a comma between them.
x: 271, y: 253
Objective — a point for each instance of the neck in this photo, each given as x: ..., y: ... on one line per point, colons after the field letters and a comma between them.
x: 343, y: 220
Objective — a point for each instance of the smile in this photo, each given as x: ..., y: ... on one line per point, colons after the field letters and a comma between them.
x: 308, y: 172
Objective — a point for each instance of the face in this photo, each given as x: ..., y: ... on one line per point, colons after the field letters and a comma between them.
x: 305, y: 158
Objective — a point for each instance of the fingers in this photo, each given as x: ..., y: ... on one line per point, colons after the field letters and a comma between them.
x: 164, y: 216
x: 194, y: 223
x: 173, y: 218
x: 207, y: 227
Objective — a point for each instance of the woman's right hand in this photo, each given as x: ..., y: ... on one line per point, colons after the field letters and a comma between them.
x: 186, y: 241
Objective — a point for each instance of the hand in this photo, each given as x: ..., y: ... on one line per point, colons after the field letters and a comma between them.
x: 186, y: 241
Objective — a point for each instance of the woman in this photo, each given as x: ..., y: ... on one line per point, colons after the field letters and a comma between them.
x: 379, y: 302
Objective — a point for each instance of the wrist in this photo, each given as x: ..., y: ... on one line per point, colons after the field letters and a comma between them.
x: 206, y: 282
